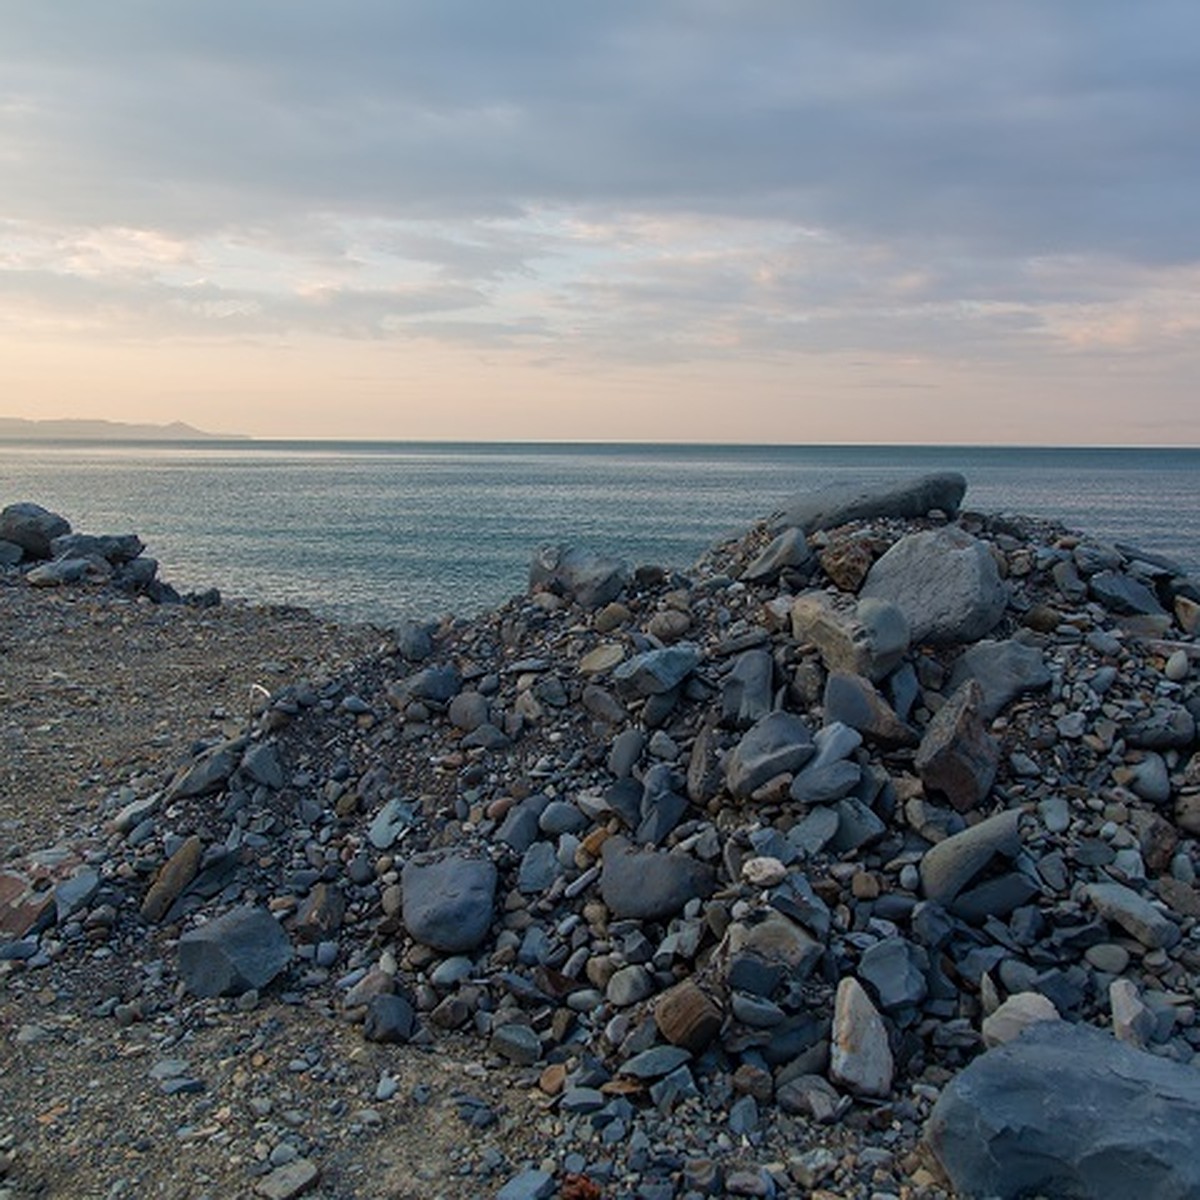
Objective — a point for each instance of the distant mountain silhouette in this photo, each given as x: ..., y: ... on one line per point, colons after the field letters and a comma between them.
x: 17, y: 429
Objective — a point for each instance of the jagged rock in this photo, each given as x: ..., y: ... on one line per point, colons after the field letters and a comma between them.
x: 895, y: 970
x: 449, y: 900
x: 840, y: 503
x: 854, y: 701
x: 115, y: 548
x: 1121, y: 1122
x: 846, y: 562
x: 1015, y: 1015
x: 948, y: 867
x: 61, y: 571
x: 210, y: 772
x: 869, y: 638
x: 860, y: 1057
x: 788, y: 550
x: 246, y: 948
x: 957, y: 756
x: 649, y: 884
x: 589, y: 578
x: 748, y: 694
x: 1120, y: 593
x: 1003, y: 670
x: 656, y: 671
x: 32, y: 527
x: 778, y: 743
x: 944, y: 581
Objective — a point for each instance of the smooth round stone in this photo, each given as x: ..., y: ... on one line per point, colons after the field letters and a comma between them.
x: 763, y: 871
x: 1055, y: 813
x: 629, y: 985
x: 1107, y: 957
x: 1177, y: 666
x: 517, y: 1043
x: 452, y: 971
x: 603, y: 658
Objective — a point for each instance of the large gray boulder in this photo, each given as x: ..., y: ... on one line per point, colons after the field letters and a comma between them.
x: 944, y: 581
x: 1004, y: 670
x: 448, y: 900
x: 591, y: 579
x: 778, y: 743
x: 1068, y: 1111
x: 246, y: 948
x: 32, y: 527
x: 832, y: 506
x: 650, y: 885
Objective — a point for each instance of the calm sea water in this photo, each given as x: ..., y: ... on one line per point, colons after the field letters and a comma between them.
x: 383, y: 531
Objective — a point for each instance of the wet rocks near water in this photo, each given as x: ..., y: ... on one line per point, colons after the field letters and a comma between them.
x: 709, y: 853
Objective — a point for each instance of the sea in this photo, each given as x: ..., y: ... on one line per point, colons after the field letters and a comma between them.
x: 381, y: 532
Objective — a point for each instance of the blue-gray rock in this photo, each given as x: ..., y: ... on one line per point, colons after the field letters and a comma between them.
x: 663, y: 804
x: 387, y: 824
x: 954, y: 862
x: 748, y: 690
x: 60, y: 572
x: 1135, y: 914
x: 1068, y: 1111
x: 857, y: 825
x: 944, y: 581
x: 243, y: 949
x: 528, y: 1185
x: 779, y: 742
x: 414, y: 640
x: 390, y: 1018
x: 114, y: 548
x: 468, y: 710
x: 436, y: 684
x: 75, y: 893
x: 839, y: 503
x: 261, y: 763
x: 32, y: 527
x: 823, y: 784
x: 626, y: 750
x: 656, y: 671
x: 448, y: 900
x: 656, y: 1062
x: 649, y: 885
x: 854, y: 700
x: 539, y: 867
x: 589, y: 578
x: 1003, y: 670
x: 1122, y: 594
x: 788, y: 550
x: 517, y: 1043
x: 210, y: 772
x: 958, y: 757
x: 895, y: 970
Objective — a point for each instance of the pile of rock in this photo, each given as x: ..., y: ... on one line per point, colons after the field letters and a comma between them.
x: 41, y: 545
x: 800, y: 833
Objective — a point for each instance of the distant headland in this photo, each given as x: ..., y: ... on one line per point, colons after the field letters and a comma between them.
x: 17, y: 429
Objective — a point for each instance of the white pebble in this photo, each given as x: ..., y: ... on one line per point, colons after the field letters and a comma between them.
x: 1176, y: 669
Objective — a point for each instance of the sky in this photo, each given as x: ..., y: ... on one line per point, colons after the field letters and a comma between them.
x: 766, y: 221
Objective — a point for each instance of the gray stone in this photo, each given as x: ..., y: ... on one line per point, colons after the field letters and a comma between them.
x: 517, y: 1043
x: 656, y: 671
x: 944, y: 581
x: 854, y: 701
x: 626, y: 749
x: 788, y: 550
x: 948, y: 867
x: 1151, y: 780
x: 61, y: 571
x: 778, y: 743
x: 957, y: 757
x: 868, y: 638
x: 1124, y: 595
x: 528, y: 1185
x: 648, y: 884
x: 448, y: 900
x: 538, y: 870
x: 629, y: 985
x: 261, y: 763
x: 895, y: 970
x: 210, y: 771
x: 860, y: 1058
x: 389, y: 1018
x: 288, y: 1180
x: 10, y: 553
x: 1132, y: 1020
x: 748, y: 691
x: 1015, y: 1015
x: 114, y: 548
x: 468, y: 710
x: 1135, y: 914
x: 1003, y: 670
x: 244, y: 949
x: 843, y: 502
x: 823, y: 783
x: 656, y: 1062
x: 858, y: 825
x: 32, y: 527
x: 387, y: 824
x: 589, y: 578
x: 1066, y: 1110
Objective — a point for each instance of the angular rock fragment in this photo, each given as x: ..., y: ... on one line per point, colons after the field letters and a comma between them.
x: 1135, y: 914
x: 246, y: 948
x: 1003, y: 670
x: 789, y: 550
x: 854, y: 701
x: 778, y: 743
x: 948, y: 867
x: 648, y: 884
x: 869, y: 638
x: 656, y: 671
x: 860, y: 1056
x: 591, y: 579
x: 957, y: 757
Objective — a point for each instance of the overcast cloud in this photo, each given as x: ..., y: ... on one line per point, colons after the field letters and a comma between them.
x: 609, y: 182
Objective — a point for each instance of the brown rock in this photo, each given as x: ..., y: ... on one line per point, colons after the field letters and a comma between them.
x: 686, y: 1016
x: 321, y: 914
x: 1043, y: 618
x: 175, y: 874
x: 847, y: 562
x: 611, y: 616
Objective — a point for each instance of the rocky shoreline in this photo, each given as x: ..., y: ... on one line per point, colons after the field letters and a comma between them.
x: 827, y: 867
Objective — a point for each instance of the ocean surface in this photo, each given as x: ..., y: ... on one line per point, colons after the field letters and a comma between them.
x: 383, y: 531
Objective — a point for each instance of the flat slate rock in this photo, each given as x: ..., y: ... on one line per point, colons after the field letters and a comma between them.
x: 648, y: 885
x: 583, y: 575
x: 1068, y: 1111
x: 830, y: 507
x: 777, y: 743
x: 246, y: 948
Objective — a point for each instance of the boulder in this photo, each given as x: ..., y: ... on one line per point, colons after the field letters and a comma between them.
x: 32, y: 527
x: 1003, y: 670
x: 839, y: 503
x: 648, y: 885
x: 1066, y: 1110
x: 448, y: 900
x: 944, y: 581
x: 957, y: 756
x: 246, y: 948
x: 593, y: 580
